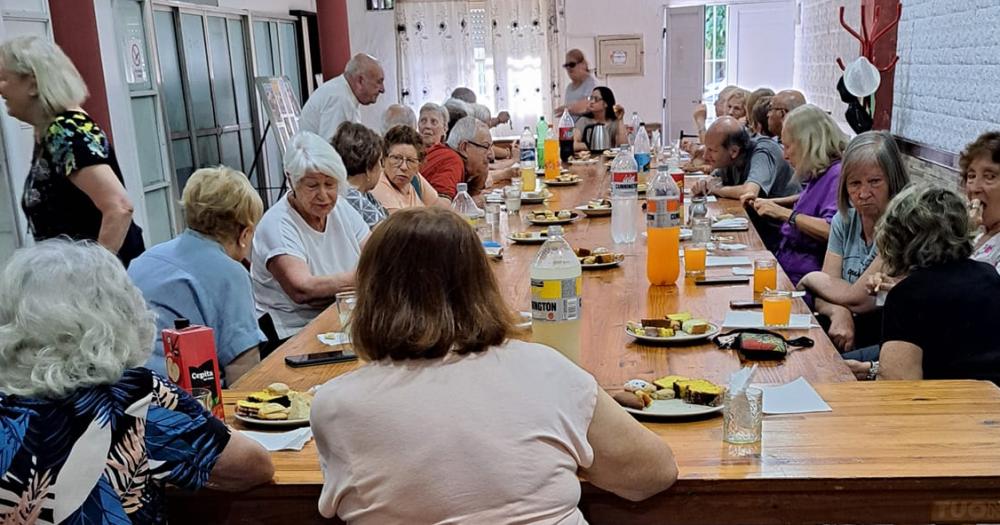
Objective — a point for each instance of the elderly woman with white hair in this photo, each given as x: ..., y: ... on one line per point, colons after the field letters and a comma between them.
x: 89, y: 437
x: 433, y: 124
x: 307, y: 245
x: 74, y: 187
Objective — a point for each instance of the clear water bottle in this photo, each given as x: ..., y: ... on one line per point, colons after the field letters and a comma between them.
x: 642, y: 153
x: 528, y: 162
x: 466, y: 207
x: 556, y: 288
x: 632, y: 126
x: 624, y: 197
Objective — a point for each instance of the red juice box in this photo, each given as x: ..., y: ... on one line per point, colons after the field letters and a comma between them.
x: 192, y: 362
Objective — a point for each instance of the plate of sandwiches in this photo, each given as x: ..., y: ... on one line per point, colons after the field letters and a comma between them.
x: 528, y: 237
x: 671, y: 397
x: 596, y: 208
x: 565, y: 179
x: 553, y: 217
x: 680, y: 327
x: 275, y: 406
x: 598, y: 258
x: 535, y: 197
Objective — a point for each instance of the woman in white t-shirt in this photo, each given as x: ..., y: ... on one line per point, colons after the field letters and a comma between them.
x: 452, y: 421
x: 307, y: 245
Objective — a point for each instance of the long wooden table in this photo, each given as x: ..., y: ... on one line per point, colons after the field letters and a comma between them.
x: 889, y: 452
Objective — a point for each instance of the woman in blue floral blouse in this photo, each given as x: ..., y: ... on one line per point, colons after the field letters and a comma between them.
x: 74, y: 187
x: 84, y: 436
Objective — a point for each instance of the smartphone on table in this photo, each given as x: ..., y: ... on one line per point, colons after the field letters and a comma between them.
x: 319, y: 358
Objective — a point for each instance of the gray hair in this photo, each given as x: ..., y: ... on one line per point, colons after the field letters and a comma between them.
x: 60, y: 86
x: 398, y: 115
x: 820, y: 140
x: 357, y: 64
x: 870, y: 148
x: 481, y: 112
x: 924, y: 226
x: 69, y: 318
x: 457, y: 109
x: 441, y: 110
x: 307, y: 152
x: 464, y: 131
x: 464, y: 94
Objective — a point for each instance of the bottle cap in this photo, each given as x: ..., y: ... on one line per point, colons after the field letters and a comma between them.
x: 555, y: 230
x: 462, y: 187
x: 181, y: 323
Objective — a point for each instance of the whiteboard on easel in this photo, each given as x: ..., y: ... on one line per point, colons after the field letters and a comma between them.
x: 282, y: 107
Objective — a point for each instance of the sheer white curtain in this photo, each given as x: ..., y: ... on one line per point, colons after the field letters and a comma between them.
x: 499, y: 48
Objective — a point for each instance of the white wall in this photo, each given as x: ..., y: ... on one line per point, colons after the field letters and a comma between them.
x: 819, y: 40
x: 587, y: 19
x: 374, y: 32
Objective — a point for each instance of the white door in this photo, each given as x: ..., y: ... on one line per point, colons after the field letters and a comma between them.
x: 761, y: 45
x: 685, y: 72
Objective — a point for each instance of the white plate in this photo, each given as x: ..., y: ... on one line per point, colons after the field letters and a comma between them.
x: 669, y: 408
x: 557, y: 182
x: 574, y: 216
x: 533, y: 197
x: 597, y: 266
x: 594, y: 212
x: 713, y: 329
x: 273, y: 422
x: 538, y: 239
x: 591, y: 160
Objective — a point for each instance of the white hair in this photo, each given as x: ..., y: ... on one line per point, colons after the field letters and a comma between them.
x: 398, y: 115
x: 441, y: 110
x: 59, y: 84
x: 357, y: 64
x: 69, y: 318
x: 481, y: 112
x: 464, y: 131
x: 456, y: 106
x: 306, y: 153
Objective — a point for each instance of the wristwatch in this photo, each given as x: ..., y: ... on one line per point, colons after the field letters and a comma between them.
x: 791, y: 218
x: 872, y: 372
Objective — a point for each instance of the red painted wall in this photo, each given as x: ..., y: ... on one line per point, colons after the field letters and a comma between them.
x: 74, y: 25
x: 885, y: 50
x: 334, y: 37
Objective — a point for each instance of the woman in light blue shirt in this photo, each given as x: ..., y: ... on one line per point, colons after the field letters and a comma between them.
x: 198, y: 275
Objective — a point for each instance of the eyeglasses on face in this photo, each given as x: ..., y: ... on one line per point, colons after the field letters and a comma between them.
x: 483, y: 146
x: 570, y: 65
x: 595, y: 99
x: 399, y: 160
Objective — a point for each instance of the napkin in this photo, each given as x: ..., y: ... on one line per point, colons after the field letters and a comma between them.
x: 716, y: 260
x: 734, y: 246
x: 274, y: 441
x: 735, y: 222
x: 742, y: 271
x: 740, y: 319
x: 797, y: 397
x: 334, y: 338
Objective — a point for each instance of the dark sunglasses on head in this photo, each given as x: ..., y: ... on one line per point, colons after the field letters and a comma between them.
x: 570, y: 65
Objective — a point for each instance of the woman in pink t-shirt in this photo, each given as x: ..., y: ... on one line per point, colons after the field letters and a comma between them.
x: 451, y: 421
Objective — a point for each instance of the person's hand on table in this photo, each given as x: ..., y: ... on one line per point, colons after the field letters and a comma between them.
x: 842, y: 330
x: 748, y: 198
x: 704, y: 186
x: 689, y: 145
x: 859, y: 368
x: 770, y: 209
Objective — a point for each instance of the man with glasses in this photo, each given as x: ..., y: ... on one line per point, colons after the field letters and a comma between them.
x: 464, y: 158
x: 782, y: 103
x: 581, y: 84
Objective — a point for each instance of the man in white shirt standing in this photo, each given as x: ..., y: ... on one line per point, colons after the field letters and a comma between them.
x: 340, y: 99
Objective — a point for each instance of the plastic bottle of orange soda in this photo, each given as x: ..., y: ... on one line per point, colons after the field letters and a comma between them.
x: 663, y: 230
x: 551, y: 155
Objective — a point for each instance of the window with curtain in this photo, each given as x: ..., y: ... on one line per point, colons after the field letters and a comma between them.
x: 501, y: 49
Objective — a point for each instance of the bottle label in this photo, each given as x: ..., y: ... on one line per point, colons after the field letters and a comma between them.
x: 565, y: 133
x: 663, y: 212
x: 528, y: 154
x: 624, y: 183
x: 556, y: 299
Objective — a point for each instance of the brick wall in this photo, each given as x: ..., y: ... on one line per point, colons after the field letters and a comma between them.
x: 819, y: 40
x: 947, y: 88
x: 922, y: 171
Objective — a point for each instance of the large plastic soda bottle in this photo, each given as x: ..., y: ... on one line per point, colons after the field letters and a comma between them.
x: 633, y: 124
x: 466, y: 207
x: 528, y: 160
x: 551, y: 155
x: 556, y: 287
x: 624, y: 197
x: 541, y: 130
x: 663, y: 229
x: 565, y: 136
x: 642, y: 153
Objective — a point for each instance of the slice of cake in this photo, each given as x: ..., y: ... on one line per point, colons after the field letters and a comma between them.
x: 694, y: 326
x: 699, y: 392
x: 668, y: 381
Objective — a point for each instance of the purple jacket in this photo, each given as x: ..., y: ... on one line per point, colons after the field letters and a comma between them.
x: 799, y: 253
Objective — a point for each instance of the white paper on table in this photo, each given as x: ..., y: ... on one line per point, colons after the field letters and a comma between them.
x: 717, y: 260
x: 731, y: 246
x: 735, y: 222
x: 747, y: 319
x: 334, y: 338
x: 739, y: 270
x: 797, y: 397
x: 274, y: 441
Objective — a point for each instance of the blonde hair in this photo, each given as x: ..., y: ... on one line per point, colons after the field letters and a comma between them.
x: 70, y: 318
x: 819, y: 140
x: 57, y: 80
x: 220, y: 202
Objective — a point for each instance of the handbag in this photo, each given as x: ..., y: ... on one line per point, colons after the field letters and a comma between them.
x: 760, y: 345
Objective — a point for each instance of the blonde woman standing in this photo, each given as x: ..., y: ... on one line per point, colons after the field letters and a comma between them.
x: 75, y: 187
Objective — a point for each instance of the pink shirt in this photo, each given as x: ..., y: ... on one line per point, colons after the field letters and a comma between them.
x: 483, y: 438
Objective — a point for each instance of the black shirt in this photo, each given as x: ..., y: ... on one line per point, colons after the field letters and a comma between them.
x: 54, y: 205
x: 949, y: 311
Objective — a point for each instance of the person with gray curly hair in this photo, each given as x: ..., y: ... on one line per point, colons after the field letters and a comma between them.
x: 83, y: 423
x: 938, y: 320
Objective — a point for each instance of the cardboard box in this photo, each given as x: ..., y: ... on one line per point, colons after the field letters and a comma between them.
x: 192, y: 361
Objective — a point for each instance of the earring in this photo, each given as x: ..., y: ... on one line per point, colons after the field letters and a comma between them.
x: 243, y: 245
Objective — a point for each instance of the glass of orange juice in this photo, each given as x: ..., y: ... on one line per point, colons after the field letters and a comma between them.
x: 694, y: 260
x: 765, y: 275
x: 777, y: 308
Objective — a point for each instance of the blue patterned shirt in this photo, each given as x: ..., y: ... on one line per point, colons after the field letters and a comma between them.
x: 368, y: 206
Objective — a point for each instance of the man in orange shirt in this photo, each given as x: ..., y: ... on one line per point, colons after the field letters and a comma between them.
x: 464, y: 158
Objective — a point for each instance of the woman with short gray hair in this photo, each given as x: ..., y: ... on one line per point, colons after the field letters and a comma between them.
x: 306, y: 246
x: 938, y: 321
x: 74, y: 187
x: 77, y: 412
x: 433, y: 124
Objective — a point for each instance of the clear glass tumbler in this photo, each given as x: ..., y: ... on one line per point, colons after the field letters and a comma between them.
x: 742, y: 416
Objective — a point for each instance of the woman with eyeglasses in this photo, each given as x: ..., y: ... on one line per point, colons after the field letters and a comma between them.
x: 580, y: 86
x: 401, y: 186
x: 601, y: 112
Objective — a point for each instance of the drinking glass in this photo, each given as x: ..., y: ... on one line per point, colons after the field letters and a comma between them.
x: 694, y: 259
x: 742, y: 416
x: 512, y: 198
x: 345, y: 307
x: 765, y: 275
x: 492, y: 213
x: 777, y: 308
x: 701, y: 230
x: 203, y: 396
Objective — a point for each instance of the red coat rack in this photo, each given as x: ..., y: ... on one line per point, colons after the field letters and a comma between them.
x: 868, y: 43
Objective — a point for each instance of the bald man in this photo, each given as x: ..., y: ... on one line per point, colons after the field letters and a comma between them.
x: 582, y: 84
x: 781, y: 104
x: 341, y: 98
x: 743, y: 164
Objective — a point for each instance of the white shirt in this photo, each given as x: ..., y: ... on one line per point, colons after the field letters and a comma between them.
x: 328, y: 106
x: 491, y: 437
x: 282, y: 231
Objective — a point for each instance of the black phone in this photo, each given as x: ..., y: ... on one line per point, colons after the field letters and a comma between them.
x: 319, y: 358
x: 737, y: 305
x: 723, y: 279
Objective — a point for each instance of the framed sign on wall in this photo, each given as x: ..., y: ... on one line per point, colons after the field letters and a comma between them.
x: 619, y: 55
